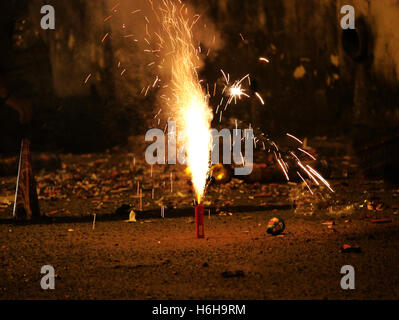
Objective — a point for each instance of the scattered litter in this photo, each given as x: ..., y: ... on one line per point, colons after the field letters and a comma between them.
x: 132, y: 217
x: 224, y: 213
x: 328, y: 223
x: 94, y: 221
x: 375, y: 205
x: 346, y: 248
x: 275, y: 226
x: 299, y: 72
x: 70, y: 230
x: 6, y: 201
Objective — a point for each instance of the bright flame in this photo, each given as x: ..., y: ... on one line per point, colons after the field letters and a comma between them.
x: 193, y: 113
x: 236, y: 91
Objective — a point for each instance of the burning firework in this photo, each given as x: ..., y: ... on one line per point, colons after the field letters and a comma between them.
x: 187, y: 96
x: 172, y: 47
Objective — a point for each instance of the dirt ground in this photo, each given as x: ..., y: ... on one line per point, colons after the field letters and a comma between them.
x: 157, y: 258
x: 161, y: 259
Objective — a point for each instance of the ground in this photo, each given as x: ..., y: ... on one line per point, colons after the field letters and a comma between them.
x: 163, y: 260
x: 155, y: 258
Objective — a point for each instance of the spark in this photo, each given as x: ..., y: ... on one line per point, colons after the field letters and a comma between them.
x: 264, y: 59
x: 115, y: 6
x: 305, y: 182
x: 308, y: 173
x: 307, y: 153
x: 107, y: 18
x: 155, y: 82
x: 295, y: 138
x: 260, y: 98
x: 235, y: 90
x: 87, y: 78
x: 318, y: 175
x: 284, y: 169
x: 105, y: 37
x: 146, y: 92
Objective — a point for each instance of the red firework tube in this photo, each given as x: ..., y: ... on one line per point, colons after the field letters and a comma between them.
x: 199, y: 220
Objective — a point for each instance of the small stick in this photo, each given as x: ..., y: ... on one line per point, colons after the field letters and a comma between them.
x: 171, y: 182
x: 94, y: 222
x: 141, y: 199
x: 138, y: 187
x: 151, y: 171
x: 152, y: 194
x: 209, y: 213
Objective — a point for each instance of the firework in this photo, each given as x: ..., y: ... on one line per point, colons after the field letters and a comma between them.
x: 174, y: 53
x: 187, y: 98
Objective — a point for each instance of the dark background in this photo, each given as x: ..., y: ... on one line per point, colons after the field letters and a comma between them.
x: 349, y: 88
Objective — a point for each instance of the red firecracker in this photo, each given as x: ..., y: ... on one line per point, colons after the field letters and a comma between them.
x: 199, y: 220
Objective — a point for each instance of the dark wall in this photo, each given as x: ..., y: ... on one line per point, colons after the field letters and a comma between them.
x: 311, y: 85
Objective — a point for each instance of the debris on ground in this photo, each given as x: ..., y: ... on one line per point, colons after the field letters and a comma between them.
x: 346, y: 248
x: 224, y: 213
x: 375, y: 205
x: 132, y: 217
x: 275, y: 226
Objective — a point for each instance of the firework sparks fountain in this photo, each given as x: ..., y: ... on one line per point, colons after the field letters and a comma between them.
x: 193, y: 114
x: 177, y: 56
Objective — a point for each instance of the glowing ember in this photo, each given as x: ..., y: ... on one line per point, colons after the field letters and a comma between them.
x: 235, y: 90
x: 264, y: 59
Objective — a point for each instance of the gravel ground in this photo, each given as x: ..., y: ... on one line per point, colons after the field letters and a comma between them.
x: 156, y: 258
x: 162, y: 259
